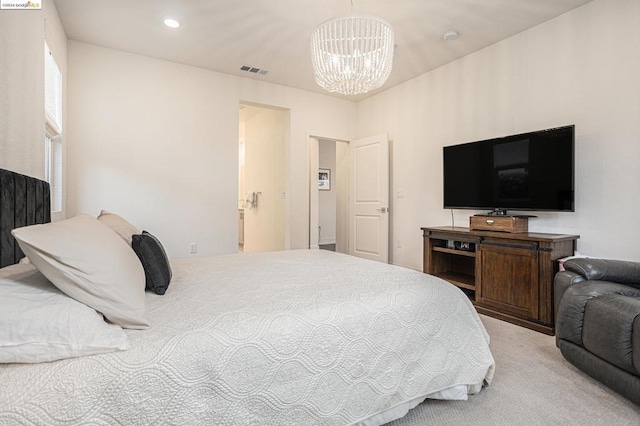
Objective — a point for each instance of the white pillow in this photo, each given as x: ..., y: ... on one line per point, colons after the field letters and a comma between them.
x: 39, y: 323
x: 119, y: 225
x: 89, y: 262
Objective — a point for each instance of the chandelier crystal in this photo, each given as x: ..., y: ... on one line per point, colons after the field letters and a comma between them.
x: 352, y: 54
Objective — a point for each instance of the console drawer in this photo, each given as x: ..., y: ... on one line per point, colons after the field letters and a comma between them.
x: 499, y: 223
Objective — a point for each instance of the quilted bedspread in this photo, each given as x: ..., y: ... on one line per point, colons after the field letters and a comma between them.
x: 284, y: 338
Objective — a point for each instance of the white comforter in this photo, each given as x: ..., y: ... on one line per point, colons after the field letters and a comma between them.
x: 283, y: 338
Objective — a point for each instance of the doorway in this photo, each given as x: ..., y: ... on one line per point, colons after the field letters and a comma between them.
x: 333, y: 195
x: 329, y: 198
x: 261, y: 178
x: 362, y: 174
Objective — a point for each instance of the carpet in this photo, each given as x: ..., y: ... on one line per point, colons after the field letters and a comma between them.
x: 533, y: 385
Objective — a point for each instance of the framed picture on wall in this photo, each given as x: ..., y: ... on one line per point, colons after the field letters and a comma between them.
x: 324, y: 179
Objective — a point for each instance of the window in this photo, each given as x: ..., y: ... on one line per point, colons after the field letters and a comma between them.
x: 53, y: 170
x: 53, y: 128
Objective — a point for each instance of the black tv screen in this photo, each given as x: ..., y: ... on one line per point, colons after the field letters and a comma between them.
x: 531, y: 171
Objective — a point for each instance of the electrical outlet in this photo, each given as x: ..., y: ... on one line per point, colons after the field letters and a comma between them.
x: 283, y: 195
x: 398, y: 243
x: 193, y: 248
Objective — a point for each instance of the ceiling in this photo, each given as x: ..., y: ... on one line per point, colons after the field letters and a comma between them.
x: 274, y: 35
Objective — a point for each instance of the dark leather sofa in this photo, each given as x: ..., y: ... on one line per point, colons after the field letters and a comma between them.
x: 597, y: 308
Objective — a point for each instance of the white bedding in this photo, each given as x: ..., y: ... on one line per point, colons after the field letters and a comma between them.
x: 284, y: 338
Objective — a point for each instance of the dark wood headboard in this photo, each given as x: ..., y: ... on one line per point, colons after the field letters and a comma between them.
x: 23, y: 201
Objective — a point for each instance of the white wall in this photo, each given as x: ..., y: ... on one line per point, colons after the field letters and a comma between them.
x: 327, y: 199
x: 157, y: 142
x: 264, y: 172
x: 22, y: 91
x: 22, y: 36
x: 581, y: 68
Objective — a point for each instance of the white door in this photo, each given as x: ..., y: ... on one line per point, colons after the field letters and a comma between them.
x: 369, y: 205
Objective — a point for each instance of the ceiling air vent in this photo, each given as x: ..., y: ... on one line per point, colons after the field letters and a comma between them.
x: 253, y: 70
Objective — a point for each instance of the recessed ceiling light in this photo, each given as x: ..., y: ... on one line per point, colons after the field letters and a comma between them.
x: 171, y: 23
x: 450, y: 35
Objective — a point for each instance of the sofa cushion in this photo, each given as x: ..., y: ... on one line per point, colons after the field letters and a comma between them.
x: 608, y: 330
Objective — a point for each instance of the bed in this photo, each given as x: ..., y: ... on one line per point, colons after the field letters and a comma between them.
x: 299, y: 337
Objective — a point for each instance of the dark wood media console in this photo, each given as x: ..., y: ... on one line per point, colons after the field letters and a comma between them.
x: 508, y: 276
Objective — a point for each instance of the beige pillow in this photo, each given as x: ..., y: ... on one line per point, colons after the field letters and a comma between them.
x: 88, y: 262
x: 119, y: 225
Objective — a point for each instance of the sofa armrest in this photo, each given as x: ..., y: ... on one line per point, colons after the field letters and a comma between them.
x: 571, y: 307
x: 617, y: 271
x: 561, y: 282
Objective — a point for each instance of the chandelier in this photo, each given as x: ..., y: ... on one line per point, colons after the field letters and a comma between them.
x: 352, y: 54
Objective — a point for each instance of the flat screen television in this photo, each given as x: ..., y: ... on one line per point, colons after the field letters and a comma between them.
x: 531, y: 171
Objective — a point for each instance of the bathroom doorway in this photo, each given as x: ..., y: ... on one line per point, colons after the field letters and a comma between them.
x: 262, y: 178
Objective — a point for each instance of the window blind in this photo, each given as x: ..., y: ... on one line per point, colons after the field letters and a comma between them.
x: 52, y: 93
x: 53, y: 124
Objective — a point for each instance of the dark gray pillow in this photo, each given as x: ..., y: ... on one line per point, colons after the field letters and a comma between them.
x: 154, y: 261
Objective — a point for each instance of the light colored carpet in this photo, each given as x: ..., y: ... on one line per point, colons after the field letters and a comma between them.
x: 533, y: 385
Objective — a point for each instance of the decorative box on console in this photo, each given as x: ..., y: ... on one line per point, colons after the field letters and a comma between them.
x: 515, y: 224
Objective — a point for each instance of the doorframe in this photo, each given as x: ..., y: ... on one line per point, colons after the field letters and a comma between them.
x: 313, y: 149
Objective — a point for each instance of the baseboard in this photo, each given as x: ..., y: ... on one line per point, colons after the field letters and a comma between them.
x: 324, y: 241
